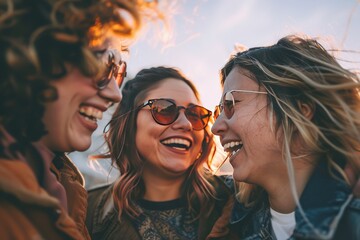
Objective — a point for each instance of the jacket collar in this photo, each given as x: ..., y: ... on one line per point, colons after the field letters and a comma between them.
x: 239, y: 212
x: 323, y: 202
x: 14, y: 151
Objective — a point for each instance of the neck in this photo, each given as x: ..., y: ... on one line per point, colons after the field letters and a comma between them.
x: 280, y: 193
x: 159, y: 188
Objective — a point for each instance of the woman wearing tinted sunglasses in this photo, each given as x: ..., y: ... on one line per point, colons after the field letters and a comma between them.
x: 160, y: 140
x: 289, y: 119
x: 55, y: 85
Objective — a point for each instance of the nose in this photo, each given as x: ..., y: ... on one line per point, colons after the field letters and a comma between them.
x: 111, y: 92
x: 182, y: 122
x: 219, y: 125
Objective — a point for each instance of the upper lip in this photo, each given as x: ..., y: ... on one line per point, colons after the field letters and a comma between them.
x: 92, y: 111
x: 102, y: 108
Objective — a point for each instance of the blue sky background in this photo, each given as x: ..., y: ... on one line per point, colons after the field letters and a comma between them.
x: 203, y: 34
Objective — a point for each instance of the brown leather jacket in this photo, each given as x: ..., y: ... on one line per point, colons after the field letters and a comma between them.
x: 27, y: 211
x: 73, y: 182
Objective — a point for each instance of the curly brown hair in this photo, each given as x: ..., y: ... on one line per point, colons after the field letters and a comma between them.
x: 38, y: 37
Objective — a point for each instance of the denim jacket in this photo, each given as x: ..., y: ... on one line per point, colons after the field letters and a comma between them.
x: 331, y: 212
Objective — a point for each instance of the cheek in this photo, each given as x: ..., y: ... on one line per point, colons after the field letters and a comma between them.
x: 199, y: 136
x: 147, y: 132
x: 142, y: 133
x: 256, y: 127
x: 144, y: 143
x: 53, y: 115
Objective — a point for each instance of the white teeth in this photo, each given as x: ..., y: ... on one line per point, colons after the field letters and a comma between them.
x: 177, y: 143
x: 233, y: 144
x: 87, y: 118
x: 233, y: 153
x: 181, y: 141
x: 91, y: 112
x: 233, y: 147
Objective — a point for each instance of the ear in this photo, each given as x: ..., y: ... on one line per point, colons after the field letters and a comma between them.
x: 307, y: 110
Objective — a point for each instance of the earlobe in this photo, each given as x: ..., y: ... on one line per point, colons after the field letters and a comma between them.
x: 307, y: 110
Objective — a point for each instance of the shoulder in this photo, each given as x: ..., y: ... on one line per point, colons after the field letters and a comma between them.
x: 223, y: 183
x: 348, y: 226
x: 98, y: 196
x: 102, y: 218
x: 96, y: 192
x: 354, y: 205
x: 216, y: 221
x: 223, y: 192
x: 27, y: 210
x: 65, y: 170
x: 19, y: 220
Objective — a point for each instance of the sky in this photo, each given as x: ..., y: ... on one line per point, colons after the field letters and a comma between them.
x: 202, y: 34
x: 199, y: 36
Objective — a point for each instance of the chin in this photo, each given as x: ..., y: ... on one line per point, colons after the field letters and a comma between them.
x: 82, y: 148
x: 177, y: 172
x: 238, y: 177
x: 81, y: 145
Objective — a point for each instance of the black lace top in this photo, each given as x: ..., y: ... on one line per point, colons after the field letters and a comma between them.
x: 165, y: 220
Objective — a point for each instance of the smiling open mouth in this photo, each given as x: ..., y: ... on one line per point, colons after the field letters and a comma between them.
x: 233, y: 147
x: 90, y: 113
x: 177, y: 143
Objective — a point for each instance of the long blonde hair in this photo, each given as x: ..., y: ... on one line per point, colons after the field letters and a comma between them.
x: 298, y: 71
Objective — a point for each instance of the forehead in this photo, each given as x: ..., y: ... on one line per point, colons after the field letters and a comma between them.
x: 175, y: 89
x: 238, y: 78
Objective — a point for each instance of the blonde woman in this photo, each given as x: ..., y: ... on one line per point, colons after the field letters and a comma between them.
x: 290, y: 120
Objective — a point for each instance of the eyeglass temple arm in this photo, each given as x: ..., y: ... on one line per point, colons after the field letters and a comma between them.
x: 147, y: 103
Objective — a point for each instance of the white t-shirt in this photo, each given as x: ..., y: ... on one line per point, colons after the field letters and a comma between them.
x: 283, y: 224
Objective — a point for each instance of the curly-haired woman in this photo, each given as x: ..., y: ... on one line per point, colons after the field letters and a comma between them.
x: 57, y: 78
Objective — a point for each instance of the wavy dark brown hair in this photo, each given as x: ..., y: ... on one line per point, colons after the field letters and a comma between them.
x: 37, y: 39
x: 122, y: 148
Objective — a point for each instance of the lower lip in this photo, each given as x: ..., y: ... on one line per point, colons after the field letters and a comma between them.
x: 91, y: 126
x: 174, y: 150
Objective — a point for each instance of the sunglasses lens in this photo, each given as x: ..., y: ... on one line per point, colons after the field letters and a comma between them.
x: 198, y: 116
x: 164, y: 112
x: 228, y: 104
x: 116, y: 71
x: 109, y: 73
